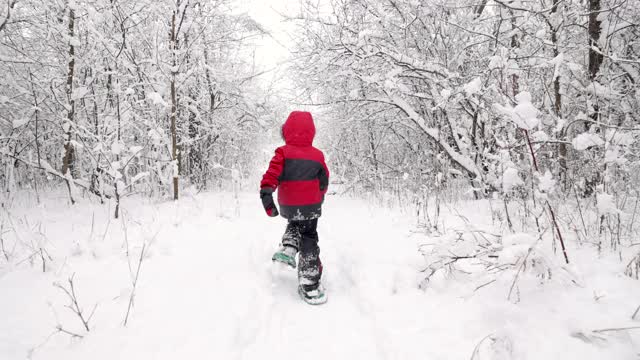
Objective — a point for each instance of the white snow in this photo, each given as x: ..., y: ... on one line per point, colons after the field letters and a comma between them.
x: 600, y: 90
x: 135, y: 150
x: 613, y: 155
x: 560, y: 125
x: 74, y: 41
x: 156, y: 98
x: 510, y: 179
x: 515, y: 247
x: 20, y: 122
x: 496, y: 62
x: 546, y: 183
x: 556, y: 63
x: 606, y: 204
x: 157, y: 135
x: 139, y: 176
x: 116, y: 147
x: 473, y: 87
x: 620, y: 138
x: 586, y: 140
x: 80, y: 92
x: 434, y: 133
x: 207, y: 288
x: 540, y: 136
x: 525, y: 115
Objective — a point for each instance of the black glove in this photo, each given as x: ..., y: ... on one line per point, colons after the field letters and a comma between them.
x: 266, y: 194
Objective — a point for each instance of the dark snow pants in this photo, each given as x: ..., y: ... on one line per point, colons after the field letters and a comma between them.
x: 303, y: 235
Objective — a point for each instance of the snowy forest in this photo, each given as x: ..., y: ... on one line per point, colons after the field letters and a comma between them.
x: 483, y: 203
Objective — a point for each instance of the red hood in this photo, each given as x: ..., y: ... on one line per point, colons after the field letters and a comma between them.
x: 299, y: 129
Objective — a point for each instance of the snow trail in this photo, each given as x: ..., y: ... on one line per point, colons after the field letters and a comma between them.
x: 208, y: 289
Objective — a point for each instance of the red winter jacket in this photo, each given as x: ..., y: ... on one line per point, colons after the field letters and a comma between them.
x: 298, y: 170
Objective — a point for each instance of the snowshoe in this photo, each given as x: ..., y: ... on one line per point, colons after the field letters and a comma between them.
x: 285, y: 255
x: 313, y: 294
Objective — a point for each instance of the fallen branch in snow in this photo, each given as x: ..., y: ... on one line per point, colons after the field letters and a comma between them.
x: 134, y: 280
x: 446, y: 261
x: 535, y: 261
x: 493, y: 346
x: 45, y: 341
x: 470, y: 229
x: 44, y: 260
x: 476, y: 350
x: 74, y: 335
x: 483, y: 285
x: 523, y: 261
x: 135, y: 283
x: 598, y: 335
x: 75, y: 306
x: 616, y: 329
x: 36, y: 249
x: 125, y: 232
x: 589, y: 337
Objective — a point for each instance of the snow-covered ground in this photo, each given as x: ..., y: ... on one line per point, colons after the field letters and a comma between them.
x: 208, y: 290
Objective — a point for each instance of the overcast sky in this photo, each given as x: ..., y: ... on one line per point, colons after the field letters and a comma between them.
x: 275, y: 49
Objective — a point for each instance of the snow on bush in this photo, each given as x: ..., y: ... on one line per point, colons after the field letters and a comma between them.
x: 613, y: 156
x: 546, y: 183
x: 496, y: 62
x: 20, y: 122
x: 524, y: 115
x: 516, y: 261
x: 473, y: 87
x: 586, y: 140
x: 156, y: 98
x: 117, y: 147
x: 514, y: 247
x: 392, y: 81
x: 606, y: 204
x: 601, y: 91
x: 540, y: 136
x: 510, y: 179
x: 525, y: 259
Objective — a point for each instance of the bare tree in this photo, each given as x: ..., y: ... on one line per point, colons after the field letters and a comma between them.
x: 68, y: 162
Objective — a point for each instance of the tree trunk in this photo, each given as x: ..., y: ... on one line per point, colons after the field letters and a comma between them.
x: 595, y: 61
x: 174, y: 107
x: 68, y: 163
x: 117, y: 181
x: 557, y: 108
x: 37, y: 141
x: 37, y: 118
x: 478, y: 10
x: 11, y: 4
x: 595, y: 57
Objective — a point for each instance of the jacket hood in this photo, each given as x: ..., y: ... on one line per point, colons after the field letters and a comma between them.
x: 299, y: 129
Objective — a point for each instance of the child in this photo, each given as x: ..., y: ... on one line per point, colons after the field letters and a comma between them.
x: 299, y: 172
